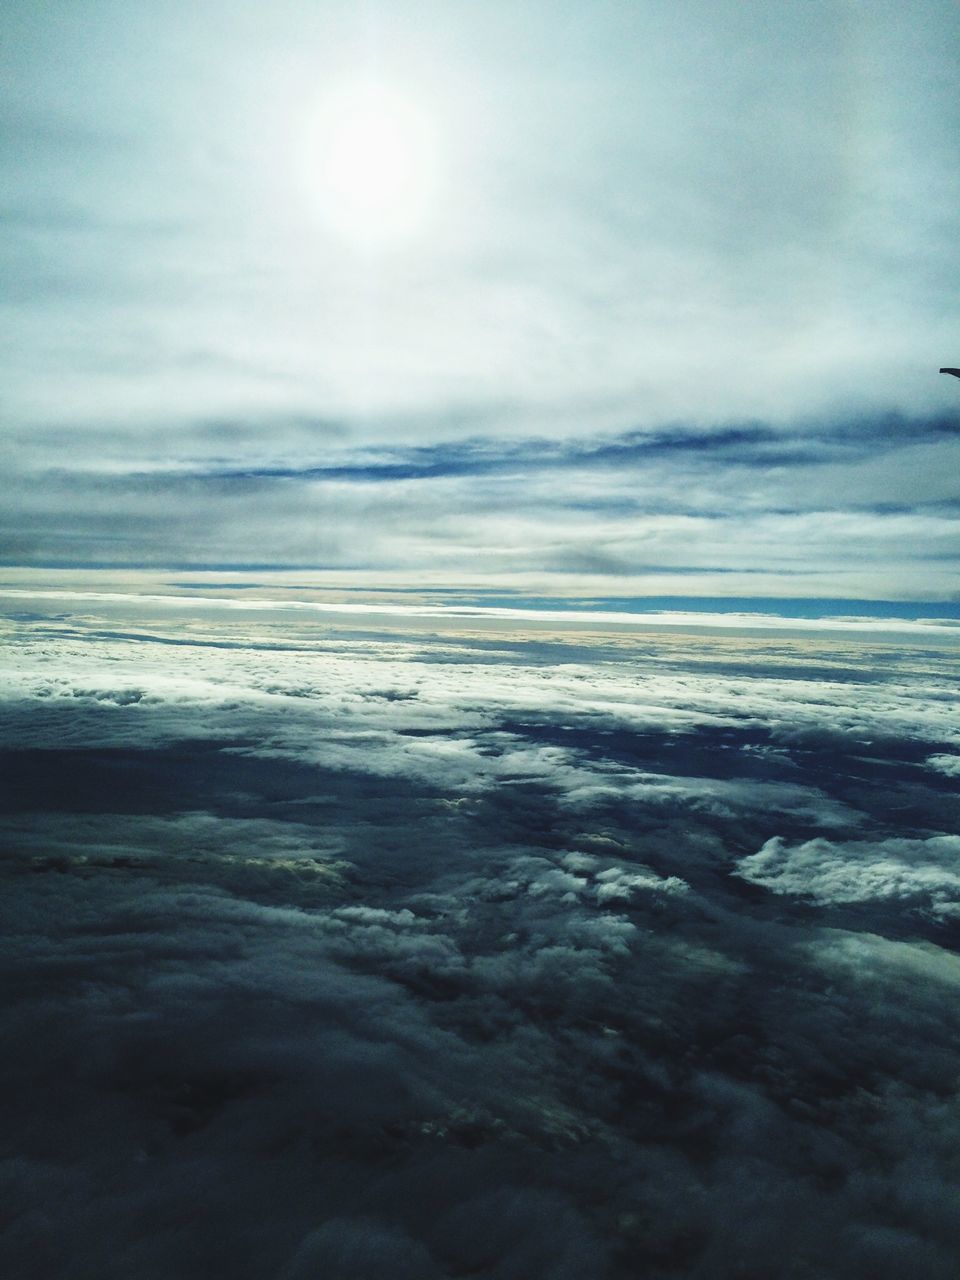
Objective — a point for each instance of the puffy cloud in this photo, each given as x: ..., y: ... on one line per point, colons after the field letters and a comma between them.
x: 620, y: 883
x: 947, y: 764
x: 921, y: 871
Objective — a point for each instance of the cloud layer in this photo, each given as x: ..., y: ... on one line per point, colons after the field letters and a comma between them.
x: 864, y: 509
x: 334, y: 952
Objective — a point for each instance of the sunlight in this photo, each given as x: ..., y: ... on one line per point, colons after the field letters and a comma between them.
x: 374, y: 157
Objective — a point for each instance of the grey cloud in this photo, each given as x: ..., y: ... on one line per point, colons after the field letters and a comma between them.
x: 355, y: 1248
x: 869, y: 507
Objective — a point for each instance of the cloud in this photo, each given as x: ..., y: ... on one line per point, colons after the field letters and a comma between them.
x: 639, y: 338
x: 746, y: 511
x: 413, y: 932
x: 919, y: 871
x: 946, y: 764
x: 356, y: 1248
x: 619, y: 883
x: 453, y: 945
x: 633, y: 216
x: 688, y: 504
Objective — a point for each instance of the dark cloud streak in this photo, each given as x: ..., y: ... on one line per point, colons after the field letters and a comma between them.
x: 749, y: 446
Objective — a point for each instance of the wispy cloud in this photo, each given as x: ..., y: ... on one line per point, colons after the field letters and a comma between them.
x: 846, y: 509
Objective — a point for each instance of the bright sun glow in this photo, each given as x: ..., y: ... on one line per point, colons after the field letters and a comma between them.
x: 376, y: 165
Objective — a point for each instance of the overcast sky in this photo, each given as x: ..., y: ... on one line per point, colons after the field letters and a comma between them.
x: 672, y: 303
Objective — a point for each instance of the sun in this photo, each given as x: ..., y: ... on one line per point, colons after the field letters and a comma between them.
x: 375, y: 158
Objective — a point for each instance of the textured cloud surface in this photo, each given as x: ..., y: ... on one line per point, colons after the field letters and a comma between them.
x: 349, y: 948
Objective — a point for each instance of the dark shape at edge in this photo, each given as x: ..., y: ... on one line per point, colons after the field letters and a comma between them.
x: 955, y: 372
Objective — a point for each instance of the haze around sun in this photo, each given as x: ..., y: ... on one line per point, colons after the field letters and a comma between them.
x: 374, y: 152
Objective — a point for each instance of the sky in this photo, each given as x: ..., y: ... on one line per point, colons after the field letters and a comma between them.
x: 654, y: 306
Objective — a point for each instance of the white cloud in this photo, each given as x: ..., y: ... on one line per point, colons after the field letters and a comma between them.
x: 947, y: 764
x: 622, y: 883
x: 924, y: 871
